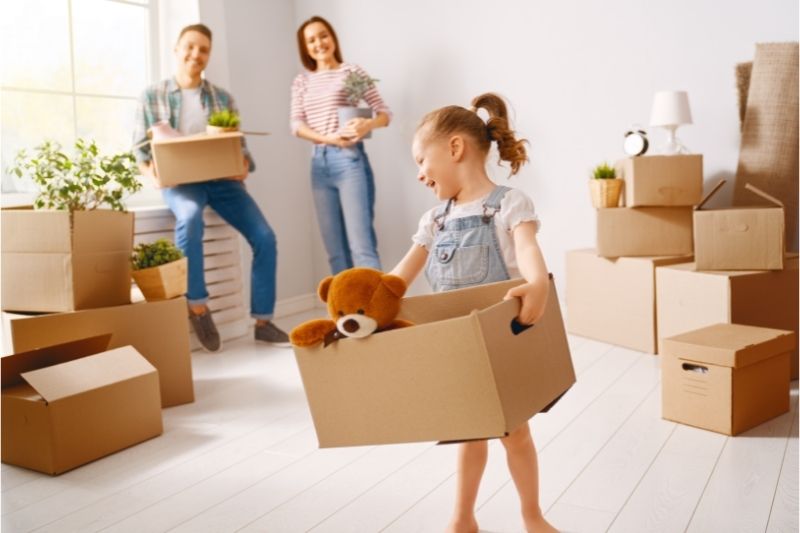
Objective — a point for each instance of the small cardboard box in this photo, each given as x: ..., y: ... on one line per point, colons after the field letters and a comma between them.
x: 614, y: 300
x: 157, y: 330
x: 726, y: 378
x: 644, y: 231
x: 63, y: 407
x: 740, y: 238
x: 662, y: 180
x: 199, y: 157
x: 688, y: 299
x: 62, y: 261
x: 459, y: 373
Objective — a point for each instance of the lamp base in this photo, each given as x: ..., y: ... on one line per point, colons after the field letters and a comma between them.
x: 673, y: 145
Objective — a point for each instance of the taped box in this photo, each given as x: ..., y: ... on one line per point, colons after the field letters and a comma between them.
x: 465, y: 370
x: 200, y: 157
x: 662, y: 180
x: 644, y: 231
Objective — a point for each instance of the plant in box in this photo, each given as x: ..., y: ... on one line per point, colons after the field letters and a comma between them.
x: 223, y: 121
x: 159, y: 269
x: 604, y: 186
x: 356, y: 86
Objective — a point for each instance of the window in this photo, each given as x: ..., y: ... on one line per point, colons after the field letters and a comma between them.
x: 72, y: 68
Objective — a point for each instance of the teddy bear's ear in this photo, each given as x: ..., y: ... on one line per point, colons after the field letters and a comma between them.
x: 322, y: 290
x: 395, y: 284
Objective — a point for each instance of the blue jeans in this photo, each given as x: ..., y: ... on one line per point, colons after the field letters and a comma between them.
x: 344, y: 196
x: 232, y: 202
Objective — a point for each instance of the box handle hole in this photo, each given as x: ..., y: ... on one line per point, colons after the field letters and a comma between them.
x: 517, y: 327
x: 695, y: 368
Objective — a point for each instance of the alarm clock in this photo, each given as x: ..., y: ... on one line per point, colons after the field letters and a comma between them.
x: 635, y: 142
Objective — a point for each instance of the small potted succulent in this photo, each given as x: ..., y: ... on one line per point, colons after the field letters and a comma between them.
x: 160, y: 270
x: 223, y: 121
x: 604, y: 186
x: 356, y: 86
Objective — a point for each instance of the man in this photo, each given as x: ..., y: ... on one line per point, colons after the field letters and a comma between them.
x: 186, y: 101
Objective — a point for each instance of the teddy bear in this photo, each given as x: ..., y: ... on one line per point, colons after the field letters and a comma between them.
x: 361, y: 301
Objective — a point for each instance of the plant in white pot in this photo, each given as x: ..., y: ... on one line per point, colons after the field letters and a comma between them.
x: 160, y: 270
x: 356, y: 86
x: 223, y: 121
x: 604, y: 186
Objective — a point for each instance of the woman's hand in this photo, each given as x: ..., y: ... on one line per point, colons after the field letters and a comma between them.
x: 336, y: 139
x: 356, y: 128
x: 533, y: 304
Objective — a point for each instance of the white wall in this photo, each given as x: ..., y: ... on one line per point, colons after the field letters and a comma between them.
x: 578, y: 73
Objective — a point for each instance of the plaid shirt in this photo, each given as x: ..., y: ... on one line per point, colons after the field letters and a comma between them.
x: 162, y: 101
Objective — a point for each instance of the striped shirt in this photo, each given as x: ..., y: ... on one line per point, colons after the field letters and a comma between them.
x: 316, y: 97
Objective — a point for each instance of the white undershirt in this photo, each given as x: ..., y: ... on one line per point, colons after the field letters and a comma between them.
x: 192, y: 116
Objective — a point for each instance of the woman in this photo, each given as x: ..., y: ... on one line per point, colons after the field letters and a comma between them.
x: 341, y: 176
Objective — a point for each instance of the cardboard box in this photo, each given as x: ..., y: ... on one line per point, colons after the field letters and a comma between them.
x: 199, y: 157
x: 459, y: 373
x: 726, y: 378
x: 157, y: 330
x: 644, y: 231
x: 662, y: 180
x: 63, y: 407
x: 614, y: 300
x: 62, y: 261
x: 688, y: 299
x: 739, y: 238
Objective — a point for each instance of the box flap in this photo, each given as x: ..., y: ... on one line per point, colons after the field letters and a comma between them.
x: 88, y: 373
x: 14, y: 365
x: 102, y: 231
x: 26, y: 230
x: 762, y: 194
x: 198, y: 138
x: 731, y: 345
x: 708, y: 196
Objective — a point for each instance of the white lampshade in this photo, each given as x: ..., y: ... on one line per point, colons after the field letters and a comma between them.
x: 670, y: 108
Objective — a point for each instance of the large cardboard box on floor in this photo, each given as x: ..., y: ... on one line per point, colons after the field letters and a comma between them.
x: 62, y: 261
x: 726, y: 378
x: 614, y: 300
x: 740, y: 238
x: 459, y: 373
x: 644, y: 231
x: 157, y: 330
x: 688, y: 299
x: 199, y: 157
x: 662, y: 180
x: 69, y: 404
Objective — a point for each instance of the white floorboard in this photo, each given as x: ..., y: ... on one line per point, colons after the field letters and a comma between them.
x: 244, y: 457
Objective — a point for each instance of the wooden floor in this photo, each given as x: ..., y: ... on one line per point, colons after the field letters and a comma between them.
x: 244, y: 457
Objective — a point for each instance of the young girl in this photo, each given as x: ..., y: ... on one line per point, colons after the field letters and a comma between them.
x: 482, y: 233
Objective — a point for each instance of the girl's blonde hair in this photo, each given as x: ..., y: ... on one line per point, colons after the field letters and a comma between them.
x: 456, y: 119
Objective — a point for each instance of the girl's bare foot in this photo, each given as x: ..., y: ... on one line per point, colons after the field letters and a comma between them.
x: 537, y: 524
x: 462, y: 525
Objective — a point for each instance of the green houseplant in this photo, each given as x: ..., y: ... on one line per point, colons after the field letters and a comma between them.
x: 356, y: 86
x: 604, y: 186
x: 159, y: 269
x: 222, y: 121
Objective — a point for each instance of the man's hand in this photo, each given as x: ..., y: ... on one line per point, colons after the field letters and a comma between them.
x: 356, y: 128
x: 533, y: 303
x: 149, y: 169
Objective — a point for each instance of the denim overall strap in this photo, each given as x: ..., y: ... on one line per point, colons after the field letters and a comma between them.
x: 465, y: 251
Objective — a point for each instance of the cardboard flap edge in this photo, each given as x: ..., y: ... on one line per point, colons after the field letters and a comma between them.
x: 762, y: 194
x: 708, y: 196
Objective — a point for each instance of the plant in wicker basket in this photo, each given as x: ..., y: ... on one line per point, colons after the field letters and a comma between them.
x: 159, y: 269
x: 604, y: 186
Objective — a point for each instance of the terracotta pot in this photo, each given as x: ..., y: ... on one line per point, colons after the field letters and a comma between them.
x: 163, y: 282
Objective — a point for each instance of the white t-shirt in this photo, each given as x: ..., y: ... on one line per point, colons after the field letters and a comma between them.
x: 192, y: 116
x: 515, y: 208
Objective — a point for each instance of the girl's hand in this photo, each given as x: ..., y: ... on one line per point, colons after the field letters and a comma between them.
x: 356, y: 128
x: 336, y: 139
x: 532, y: 307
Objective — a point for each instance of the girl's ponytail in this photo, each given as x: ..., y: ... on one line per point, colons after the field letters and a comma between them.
x: 510, y: 148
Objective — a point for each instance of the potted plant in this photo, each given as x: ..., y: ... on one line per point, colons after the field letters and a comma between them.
x: 223, y: 121
x: 604, y: 186
x: 356, y: 86
x: 72, y: 250
x: 159, y: 269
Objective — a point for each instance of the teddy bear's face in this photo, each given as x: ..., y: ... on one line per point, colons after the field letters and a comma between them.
x: 362, y: 300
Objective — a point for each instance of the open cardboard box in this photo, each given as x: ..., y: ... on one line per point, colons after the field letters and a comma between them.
x: 740, y: 238
x: 459, y: 373
x: 72, y: 403
x: 644, y: 231
x: 200, y: 157
x: 662, y: 180
x: 62, y: 261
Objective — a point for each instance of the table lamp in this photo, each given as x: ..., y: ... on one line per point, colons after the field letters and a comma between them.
x: 670, y: 110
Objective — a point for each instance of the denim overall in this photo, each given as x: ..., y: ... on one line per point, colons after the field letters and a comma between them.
x: 465, y: 251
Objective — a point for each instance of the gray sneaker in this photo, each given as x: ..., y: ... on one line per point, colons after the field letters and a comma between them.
x: 272, y: 334
x: 206, y: 331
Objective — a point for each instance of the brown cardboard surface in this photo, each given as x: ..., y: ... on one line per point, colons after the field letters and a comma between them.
x: 57, y: 261
x: 662, y: 180
x: 750, y: 386
x: 688, y: 299
x: 614, y: 300
x: 198, y: 158
x: 157, y: 330
x: 77, y: 411
x: 442, y: 379
x: 644, y: 231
